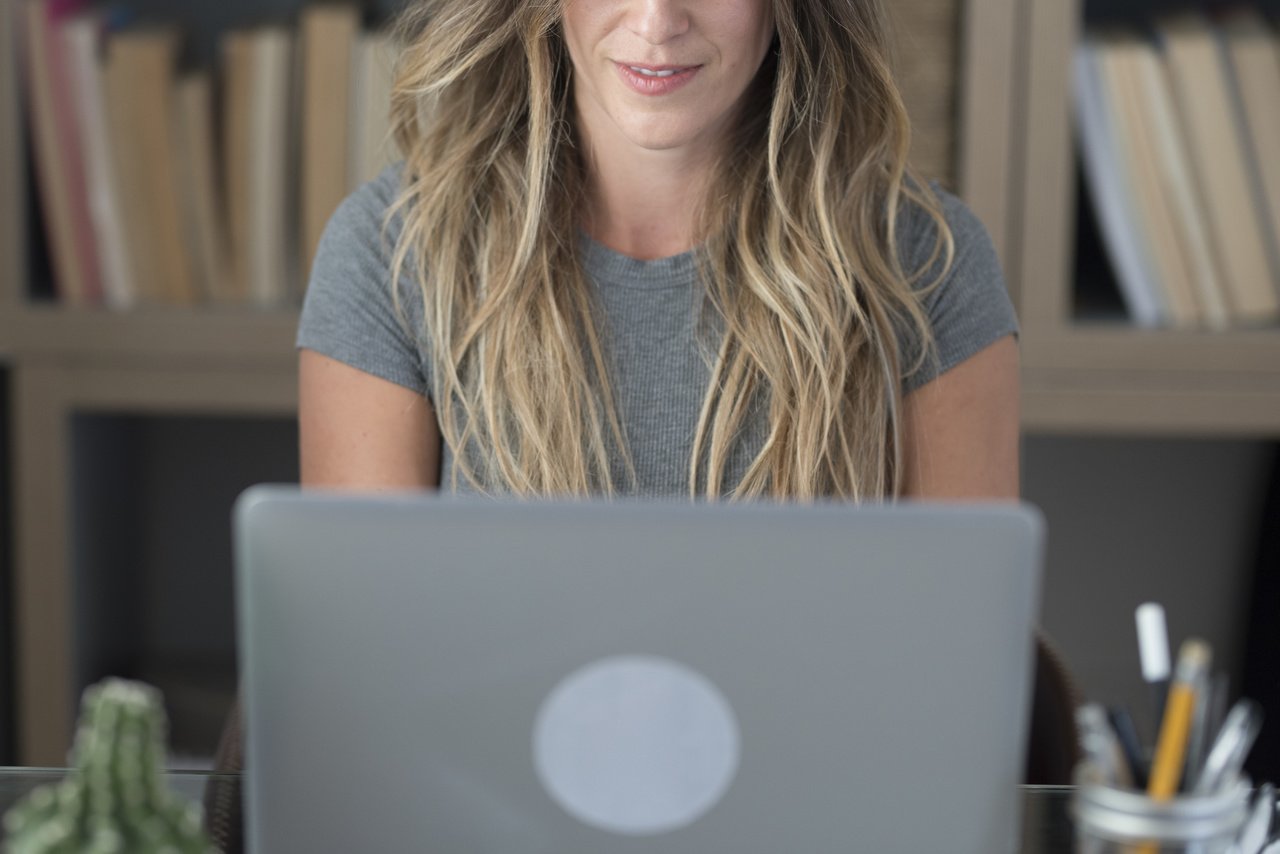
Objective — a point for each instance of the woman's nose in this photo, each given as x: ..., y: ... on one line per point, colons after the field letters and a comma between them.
x: 659, y: 21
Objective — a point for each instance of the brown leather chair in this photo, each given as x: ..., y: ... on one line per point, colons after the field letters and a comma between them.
x: 1052, y: 747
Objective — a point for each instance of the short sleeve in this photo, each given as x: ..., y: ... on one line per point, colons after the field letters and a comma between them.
x: 349, y: 313
x: 970, y: 308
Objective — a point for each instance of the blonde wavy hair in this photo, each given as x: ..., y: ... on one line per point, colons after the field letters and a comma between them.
x: 799, y: 256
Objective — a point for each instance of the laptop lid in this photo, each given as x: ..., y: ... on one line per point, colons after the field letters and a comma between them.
x: 434, y: 673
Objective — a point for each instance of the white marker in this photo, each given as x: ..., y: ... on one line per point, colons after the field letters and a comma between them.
x: 1153, y: 650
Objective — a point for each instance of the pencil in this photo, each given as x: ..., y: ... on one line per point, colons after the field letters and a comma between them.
x: 1171, y: 748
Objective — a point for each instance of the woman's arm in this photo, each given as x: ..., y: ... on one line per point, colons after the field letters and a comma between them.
x: 358, y: 431
x: 960, y: 431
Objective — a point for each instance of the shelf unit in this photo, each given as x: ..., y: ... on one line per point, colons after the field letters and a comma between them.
x: 1097, y: 377
x: 155, y: 361
x: 13, y: 235
x: 44, y: 397
x: 62, y: 363
x: 1144, y: 535
x: 1002, y: 88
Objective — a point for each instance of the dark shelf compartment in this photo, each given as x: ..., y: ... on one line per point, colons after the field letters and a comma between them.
x: 1095, y: 297
x: 1136, y: 12
x: 153, y: 572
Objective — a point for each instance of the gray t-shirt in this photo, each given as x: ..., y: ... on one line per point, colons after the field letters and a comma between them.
x: 650, y: 311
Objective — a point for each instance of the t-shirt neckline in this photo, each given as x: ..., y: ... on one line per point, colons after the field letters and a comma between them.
x: 603, y: 264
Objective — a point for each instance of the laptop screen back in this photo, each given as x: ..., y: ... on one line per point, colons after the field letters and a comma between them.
x: 430, y: 673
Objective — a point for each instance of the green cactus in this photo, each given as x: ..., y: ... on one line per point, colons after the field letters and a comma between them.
x: 115, y: 799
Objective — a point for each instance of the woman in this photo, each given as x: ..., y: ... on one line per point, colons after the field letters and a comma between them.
x: 658, y: 247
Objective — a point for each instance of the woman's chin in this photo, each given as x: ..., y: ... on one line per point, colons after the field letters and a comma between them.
x: 661, y: 136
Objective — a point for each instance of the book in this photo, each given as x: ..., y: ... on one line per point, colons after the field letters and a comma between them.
x: 1202, y: 95
x: 372, y: 148
x: 1112, y: 194
x: 1137, y: 153
x: 83, y: 41
x: 257, y: 124
x: 270, y: 267
x: 141, y: 68
x: 1253, y: 50
x: 237, y: 88
x: 203, y: 215
x: 56, y: 140
x: 1171, y: 160
x: 328, y: 35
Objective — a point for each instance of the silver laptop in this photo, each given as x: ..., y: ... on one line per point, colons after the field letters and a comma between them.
x: 463, y: 676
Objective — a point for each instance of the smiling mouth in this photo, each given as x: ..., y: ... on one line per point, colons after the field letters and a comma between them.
x: 667, y: 71
x: 656, y: 79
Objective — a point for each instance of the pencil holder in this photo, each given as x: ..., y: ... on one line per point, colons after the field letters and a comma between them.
x: 1120, y: 821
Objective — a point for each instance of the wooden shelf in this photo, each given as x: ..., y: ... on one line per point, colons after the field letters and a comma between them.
x: 1255, y: 354
x: 1082, y: 380
x: 1061, y: 404
x: 1104, y: 379
x: 1086, y: 379
x: 203, y: 336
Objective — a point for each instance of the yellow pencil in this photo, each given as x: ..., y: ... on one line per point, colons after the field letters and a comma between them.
x: 1171, y: 749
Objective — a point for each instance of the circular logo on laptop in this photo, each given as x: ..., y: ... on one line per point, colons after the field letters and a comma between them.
x: 636, y: 745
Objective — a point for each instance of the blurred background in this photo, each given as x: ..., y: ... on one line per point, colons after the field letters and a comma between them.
x: 166, y: 167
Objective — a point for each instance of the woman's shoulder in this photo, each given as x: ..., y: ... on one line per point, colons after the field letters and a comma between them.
x: 967, y: 303
x: 360, y: 237
x: 918, y: 231
x: 367, y: 206
x: 349, y: 312
x: 385, y: 186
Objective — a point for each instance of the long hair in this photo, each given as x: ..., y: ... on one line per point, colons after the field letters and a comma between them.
x: 799, y: 256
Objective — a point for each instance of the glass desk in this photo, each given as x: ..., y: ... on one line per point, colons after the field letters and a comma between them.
x: 1046, y: 826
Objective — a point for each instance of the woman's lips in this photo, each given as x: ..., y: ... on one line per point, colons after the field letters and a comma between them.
x: 663, y: 79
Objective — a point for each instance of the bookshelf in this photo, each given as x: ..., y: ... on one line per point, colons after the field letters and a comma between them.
x: 45, y: 397
x: 13, y: 236
x: 6, y: 573
x: 1084, y: 375
x: 1177, y: 427
x: 83, y: 378
x: 991, y: 115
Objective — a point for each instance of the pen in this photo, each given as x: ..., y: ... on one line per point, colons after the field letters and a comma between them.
x: 1127, y: 734
x: 1171, y: 747
x: 1210, y: 706
x: 1153, y: 652
x: 1101, y: 746
x: 1258, y: 826
x: 1230, y: 748
x: 1219, y: 696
